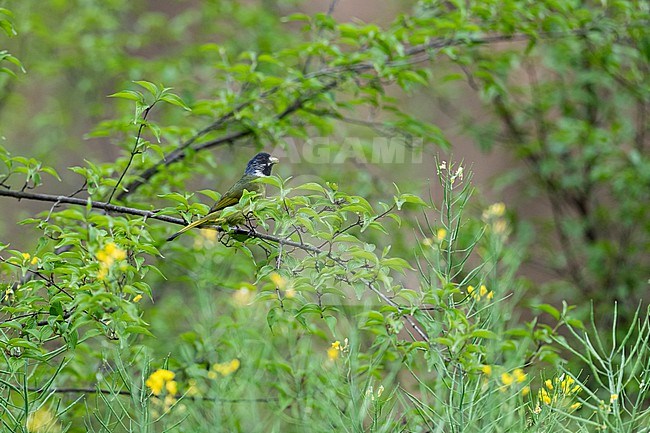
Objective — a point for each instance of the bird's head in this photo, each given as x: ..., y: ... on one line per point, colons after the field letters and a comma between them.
x: 261, y: 165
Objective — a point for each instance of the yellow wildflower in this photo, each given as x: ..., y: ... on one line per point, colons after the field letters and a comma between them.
x: 171, y: 387
x: 212, y: 375
x: 226, y: 368
x: 192, y: 389
x: 107, y: 256
x: 333, y: 353
x: 243, y: 296
x: 101, y: 274
x: 470, y: 289
x: 483, y: 290
x: 159, y: 380
x: 42, y: 421
x: 519, y: 375
x: 613, y: 398
x: 507, y: 379
x: 575, y: 406
x: 26, y: 256
x: 545, y: 397
x: 525, y: 391
x: 548, y: 384
x: 537, y: 409
x: 486, y: 369
x: 114, y: 251
x: 441, y: 234
x: 490, y: 295
x: 278, y: 280
x: 137, y: 298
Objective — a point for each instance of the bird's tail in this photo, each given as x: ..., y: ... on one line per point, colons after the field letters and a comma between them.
x: 186, y: 228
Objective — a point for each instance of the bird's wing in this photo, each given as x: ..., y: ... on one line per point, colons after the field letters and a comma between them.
x: 233, y: 195
x: 230, y: 197
x: 225, y: 201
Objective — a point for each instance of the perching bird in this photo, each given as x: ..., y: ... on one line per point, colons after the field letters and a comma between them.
x: 259, y: 166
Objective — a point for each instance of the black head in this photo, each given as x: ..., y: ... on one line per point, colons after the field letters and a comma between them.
x: 261, y: 165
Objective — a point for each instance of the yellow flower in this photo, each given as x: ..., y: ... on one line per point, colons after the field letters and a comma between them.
x: 483, y: 290
x: 171, y: 387
x: 137, y: 298
x: 537, y: 409
x: 470, y: 289
x: 486, y: 369
x: 106, y: 257
x: 544, y: 396
x: 613, y: 398
x: 212, y: 375
x: 192, y: 389
x: 26, y: 256
x: 42, y: 421
x: 34, y: 260
x: 158, y: 380
x: 507, y: 379
x: 519, y: 374
x: 337, y: 348
x: 101, y: 274
x: 497, y: 209
x: 548, y: 383
x: 441, y: 234
x: 575, y: 406
x: 566, y: 384
x: 333, y: 353
x: 525, y: 391
x: 226, y: 368
x: 490, y: 295
x: 243, y: 296
x: 278, y: 280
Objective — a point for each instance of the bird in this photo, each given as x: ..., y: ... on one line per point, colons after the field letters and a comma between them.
x: 259, y: 166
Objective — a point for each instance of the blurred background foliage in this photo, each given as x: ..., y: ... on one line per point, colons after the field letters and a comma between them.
x: 546, y: 102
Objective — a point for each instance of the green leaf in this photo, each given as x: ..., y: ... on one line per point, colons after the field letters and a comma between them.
x: 128, y: 94
x: 548, y: 309
x: 412, y: 198
x: 173, y: 99
x: 151, y: 87
x: 484, y: 333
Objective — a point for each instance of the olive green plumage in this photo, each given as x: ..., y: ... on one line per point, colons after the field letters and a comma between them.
x: 259, y: 166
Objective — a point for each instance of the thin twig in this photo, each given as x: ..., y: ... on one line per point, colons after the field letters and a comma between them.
x: 134, y: 151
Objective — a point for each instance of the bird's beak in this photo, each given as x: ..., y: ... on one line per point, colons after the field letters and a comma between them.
x: 273, y: 160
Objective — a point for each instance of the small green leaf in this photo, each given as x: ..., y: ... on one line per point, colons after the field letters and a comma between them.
x: 484, y: 333
x: 151, y: 87
x: 128, y: 94
x: 546, y: 308
x: 173, y: 99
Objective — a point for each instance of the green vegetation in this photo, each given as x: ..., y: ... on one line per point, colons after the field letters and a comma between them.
x: 348, y: 299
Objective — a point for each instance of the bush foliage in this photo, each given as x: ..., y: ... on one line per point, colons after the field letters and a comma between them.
x: 346, y: 300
